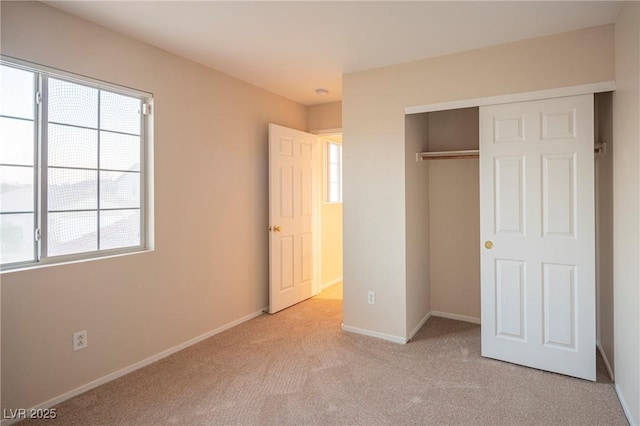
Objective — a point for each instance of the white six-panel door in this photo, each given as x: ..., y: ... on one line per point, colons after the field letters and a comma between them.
x: 538, y: 234
x: 291, y: 206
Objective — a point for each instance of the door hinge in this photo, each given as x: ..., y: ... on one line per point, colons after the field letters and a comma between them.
x: 146, y: 109
x: 36, y: 234
x: 38, y: 98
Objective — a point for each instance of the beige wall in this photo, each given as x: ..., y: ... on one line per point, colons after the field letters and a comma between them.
x: 454, y: 215
x: 210, y: 264
x: 626, y: 209
x: 417, y: 223
x: 604, y: 224
x: 324, y: 116
x: 375, y: 213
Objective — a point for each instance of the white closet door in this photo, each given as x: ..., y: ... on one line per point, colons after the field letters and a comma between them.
x: 538, y: 234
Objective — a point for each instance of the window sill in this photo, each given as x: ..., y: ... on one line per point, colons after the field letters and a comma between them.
x: 40, y: 265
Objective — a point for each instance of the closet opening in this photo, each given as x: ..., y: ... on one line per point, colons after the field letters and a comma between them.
x: 450, y: 191
x: 603, y: 130
x: 443, y: 216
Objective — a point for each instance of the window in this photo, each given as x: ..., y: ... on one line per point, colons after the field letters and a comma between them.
x: 72, y: 176
x: 333, y: 172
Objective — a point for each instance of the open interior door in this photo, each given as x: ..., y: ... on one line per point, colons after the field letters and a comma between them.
x: 292, y: 199
x: 538, y: 233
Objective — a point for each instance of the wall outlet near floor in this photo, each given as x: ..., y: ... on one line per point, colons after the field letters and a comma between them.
x: 371, y: 298
x: 80, y: 340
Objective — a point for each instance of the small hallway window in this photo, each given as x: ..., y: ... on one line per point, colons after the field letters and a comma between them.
x: 333, y: 172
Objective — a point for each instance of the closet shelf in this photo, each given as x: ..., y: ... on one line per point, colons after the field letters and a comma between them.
x: 447, y: 155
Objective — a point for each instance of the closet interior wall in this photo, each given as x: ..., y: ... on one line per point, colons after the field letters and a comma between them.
x: 454, y: 220
x: 603, y: 109
x: 418, y: 298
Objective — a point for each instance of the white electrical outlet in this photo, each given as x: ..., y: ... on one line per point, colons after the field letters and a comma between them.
x: 80, y: 340
x: 371, y: 298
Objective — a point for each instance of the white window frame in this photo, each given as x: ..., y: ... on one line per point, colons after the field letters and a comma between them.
x: 43, y: 73
x: 327, y: 172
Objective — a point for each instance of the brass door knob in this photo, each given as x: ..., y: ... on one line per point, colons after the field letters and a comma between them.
x: 276, y: 229
x: 488, y: 244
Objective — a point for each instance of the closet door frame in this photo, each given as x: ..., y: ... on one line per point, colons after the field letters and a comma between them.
x: 561, y: 92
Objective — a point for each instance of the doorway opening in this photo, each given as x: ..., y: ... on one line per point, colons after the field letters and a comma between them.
x: 305, y: 215
x: 330, y: 201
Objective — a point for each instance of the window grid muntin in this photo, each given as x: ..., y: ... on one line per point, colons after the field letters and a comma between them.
x: 41, y: 74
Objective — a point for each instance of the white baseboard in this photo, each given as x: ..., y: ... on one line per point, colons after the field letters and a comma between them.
x: 383, y: 336
x: 606, y: 361
x: 133, y: 367
x: 419, y: 326
x: 330, y: 283
x: 455, y: 317
x: 625, y: 407
x: 397, y: 339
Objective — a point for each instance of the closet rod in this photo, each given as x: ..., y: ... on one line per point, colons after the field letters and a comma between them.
x: 447, y: 155
x: 599, y: 148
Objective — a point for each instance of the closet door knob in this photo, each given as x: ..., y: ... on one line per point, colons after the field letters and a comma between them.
x: 276, y: 228
x: 488, y: 244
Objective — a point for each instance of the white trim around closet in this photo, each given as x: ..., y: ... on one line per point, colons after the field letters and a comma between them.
x: 605, y: 86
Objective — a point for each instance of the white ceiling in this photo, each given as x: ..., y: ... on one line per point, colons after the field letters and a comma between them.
x: 293, y: 47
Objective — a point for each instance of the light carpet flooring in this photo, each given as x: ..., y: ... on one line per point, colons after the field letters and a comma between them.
x: 298, y: 368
